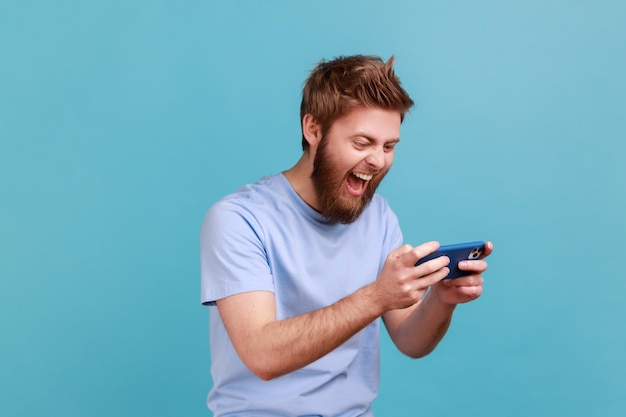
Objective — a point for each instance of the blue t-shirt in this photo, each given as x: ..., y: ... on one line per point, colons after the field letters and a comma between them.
x: 265, y: 237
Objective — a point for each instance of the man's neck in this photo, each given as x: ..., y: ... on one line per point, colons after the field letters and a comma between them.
x: 299, y: 176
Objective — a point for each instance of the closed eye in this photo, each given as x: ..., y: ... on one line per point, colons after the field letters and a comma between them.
x: 390, y: 146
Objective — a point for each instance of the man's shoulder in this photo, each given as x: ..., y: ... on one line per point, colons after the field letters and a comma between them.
x: 249, y: 203
x: 253, y: 194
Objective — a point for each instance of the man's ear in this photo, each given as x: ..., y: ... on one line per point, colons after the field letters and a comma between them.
x: 311, y: 130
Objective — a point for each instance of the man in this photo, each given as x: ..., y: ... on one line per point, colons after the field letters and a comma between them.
x: 297, y: 268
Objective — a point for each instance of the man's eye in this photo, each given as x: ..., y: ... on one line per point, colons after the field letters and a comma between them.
x: 360, y: 144
x: 390, y: 147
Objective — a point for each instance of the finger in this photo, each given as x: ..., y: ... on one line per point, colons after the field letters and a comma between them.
x: 473, y: 266
x: 469, y: 293
x: 399, y: 252
x: 404, y: 249
x: 410, y: 258
x: 475, y: 280
x: 428, y: 280
x: 432, y: 266
x: 488, y: 250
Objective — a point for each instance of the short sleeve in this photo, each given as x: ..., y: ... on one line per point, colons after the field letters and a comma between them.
x: 393, y: 233
x: 232, y: 254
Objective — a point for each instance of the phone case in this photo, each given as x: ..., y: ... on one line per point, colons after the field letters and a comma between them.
x: 457, y: 253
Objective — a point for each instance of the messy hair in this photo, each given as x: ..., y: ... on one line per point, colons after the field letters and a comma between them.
x: 337, y: 86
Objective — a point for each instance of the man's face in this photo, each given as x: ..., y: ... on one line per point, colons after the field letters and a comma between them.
x: 352, y: 159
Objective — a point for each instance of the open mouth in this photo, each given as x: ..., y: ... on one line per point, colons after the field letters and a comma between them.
x: 357, y: 182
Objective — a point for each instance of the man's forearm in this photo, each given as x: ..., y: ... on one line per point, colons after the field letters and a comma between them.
x: 282, y: 346
x: 421, y: 329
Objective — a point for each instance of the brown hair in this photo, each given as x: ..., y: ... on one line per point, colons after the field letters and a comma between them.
x: 335, y: 87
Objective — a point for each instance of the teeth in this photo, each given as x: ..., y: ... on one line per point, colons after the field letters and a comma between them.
x: 364, y: 177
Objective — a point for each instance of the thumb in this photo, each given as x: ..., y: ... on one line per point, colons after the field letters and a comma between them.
x: 398, y: 253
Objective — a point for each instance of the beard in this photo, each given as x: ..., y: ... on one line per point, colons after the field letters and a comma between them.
x: 329, y: 185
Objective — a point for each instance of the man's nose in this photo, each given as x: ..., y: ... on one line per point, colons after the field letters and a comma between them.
x: 376, y: 159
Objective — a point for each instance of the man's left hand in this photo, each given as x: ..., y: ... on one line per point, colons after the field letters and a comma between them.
x: 466, y: 288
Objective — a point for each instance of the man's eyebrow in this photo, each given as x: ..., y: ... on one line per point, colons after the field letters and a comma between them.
x: 371, y: 139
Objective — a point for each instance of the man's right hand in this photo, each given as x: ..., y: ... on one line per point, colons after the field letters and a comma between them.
x: 401, y: 284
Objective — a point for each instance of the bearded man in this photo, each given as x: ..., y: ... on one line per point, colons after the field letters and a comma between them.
x: 297, y: 268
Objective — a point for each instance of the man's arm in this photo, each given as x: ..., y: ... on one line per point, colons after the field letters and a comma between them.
x: 271, y: 348
x: 418, y: 329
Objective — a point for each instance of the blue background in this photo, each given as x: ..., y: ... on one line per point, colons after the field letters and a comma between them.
x: 122, y: 122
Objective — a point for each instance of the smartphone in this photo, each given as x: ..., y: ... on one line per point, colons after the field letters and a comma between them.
x: 457, y: 253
